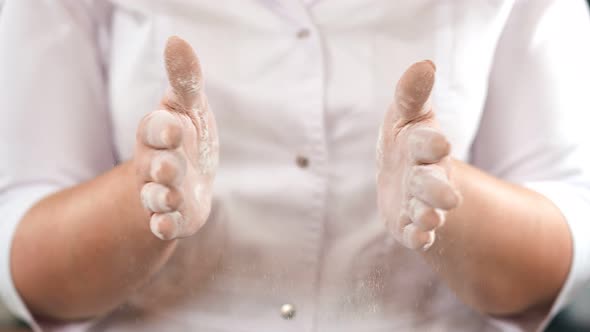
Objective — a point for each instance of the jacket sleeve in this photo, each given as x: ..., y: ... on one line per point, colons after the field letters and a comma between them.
x: 54, y: 124
x: 535, y: 130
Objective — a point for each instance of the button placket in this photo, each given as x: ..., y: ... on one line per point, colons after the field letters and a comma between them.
x: 310, y: 155
x: 316, y: 148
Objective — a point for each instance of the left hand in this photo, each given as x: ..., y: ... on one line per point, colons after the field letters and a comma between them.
x: 414, y: 188
x: 177, y: 150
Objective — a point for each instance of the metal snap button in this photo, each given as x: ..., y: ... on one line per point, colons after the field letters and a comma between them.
x: 303, y: 33
x: 288, y: 311
x: 302, y: 162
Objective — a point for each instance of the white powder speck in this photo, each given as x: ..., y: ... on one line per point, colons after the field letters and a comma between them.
x: 207, y: 162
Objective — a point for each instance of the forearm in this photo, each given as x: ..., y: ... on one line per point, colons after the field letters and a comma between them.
x: 505, y: 249
x: 82, y: 251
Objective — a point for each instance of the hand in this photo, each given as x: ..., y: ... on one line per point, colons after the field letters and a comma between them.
x: 177, y: 150
x: 414, y: 190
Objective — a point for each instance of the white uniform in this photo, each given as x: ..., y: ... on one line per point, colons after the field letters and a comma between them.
x: 299, y: 90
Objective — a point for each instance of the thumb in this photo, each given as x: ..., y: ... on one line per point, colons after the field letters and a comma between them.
x: 412, y: 93
x: 184, y: 75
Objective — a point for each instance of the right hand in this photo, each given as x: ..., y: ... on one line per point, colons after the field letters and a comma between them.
x: 414, y: 185
x: 177, y: 150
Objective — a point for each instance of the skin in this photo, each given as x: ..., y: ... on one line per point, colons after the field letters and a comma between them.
x: 109, y: 247
x: 503, y: 249
x: 105, y: 250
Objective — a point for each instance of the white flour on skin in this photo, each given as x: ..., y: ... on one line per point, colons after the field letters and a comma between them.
x: 417, y: 239
x: 174, y: 173
x: 157, y: 220
x: 207, y: 162
x: 189, y: 85
x: 418, y: 146
x: 153, y: 198
x: 380, y: 149
x: 199, y: 192
x: 160, y: 129
x: 426, y: 218
x: 155, y: 227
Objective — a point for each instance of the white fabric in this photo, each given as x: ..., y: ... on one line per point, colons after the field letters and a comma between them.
x: 510, y: 94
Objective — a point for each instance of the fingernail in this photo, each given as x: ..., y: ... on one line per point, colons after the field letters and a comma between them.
x: 166, y: 226
x: 156, y: 169
x: 163, y: 227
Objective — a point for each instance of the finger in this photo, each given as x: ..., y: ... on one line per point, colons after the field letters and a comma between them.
x: 167, y: 168
x: 184, y: 74
x: 427, y: 145
x: 414, y: 238
x: 412, y: 93
x: 186, y: 79
x: 396, y: 226
x: 166, y: 226
x: 159, y: 198
x: 160, y: 130
x: 430, y: 184
x: 423, y: 216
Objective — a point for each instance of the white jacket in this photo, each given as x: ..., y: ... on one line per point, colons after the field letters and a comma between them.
x: 298, y: 91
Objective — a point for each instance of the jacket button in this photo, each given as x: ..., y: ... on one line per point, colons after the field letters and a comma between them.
x: 303, y: 33
x: 287, y: 311
x: 302, y: 162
